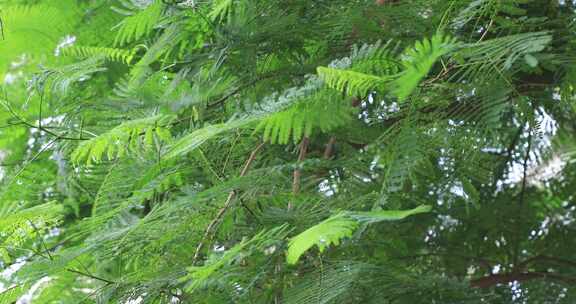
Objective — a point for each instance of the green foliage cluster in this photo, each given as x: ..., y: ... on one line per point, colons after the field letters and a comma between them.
x: 298, y: 152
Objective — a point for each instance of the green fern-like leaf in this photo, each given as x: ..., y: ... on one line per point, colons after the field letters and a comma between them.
x: 220, y: 9
x: 495, y: 55
x: 325, y: 285
x: 34, y: 30
x: 329, y: 232
x: 193, y: 140
x: 111, y: 54
x: 370, y: 217
x: 199, y: 276
x: 368, y: 68
x: 322, y: 111
x: 12, y: 294
x: 125, y: 137
x: 332, y: 230
x: 140, y: 24
x: 358, y: 80
x: 351, y: 82
x: 418, y: 60
x: 45, y: 212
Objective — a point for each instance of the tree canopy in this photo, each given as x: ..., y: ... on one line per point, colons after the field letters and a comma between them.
x: 287, y: 151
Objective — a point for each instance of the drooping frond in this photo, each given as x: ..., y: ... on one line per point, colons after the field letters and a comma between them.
x: 351, y: 82
x: 368, y: 68
x: 58, y: 82
x: 325, y: 285
x: 169, y: 38
x: 123, y: 138
x: 111, y: 54
x: 200, y: 277
x: 188, y: 143
x: 220, y: 9
x: 418, y: 60
x: 236, y: 151
x: 332, y: 230
x: 45, y: 211
x: 499, y: 54
x: 29, y: 31
x: 323, y: 111
x: 140, y: 24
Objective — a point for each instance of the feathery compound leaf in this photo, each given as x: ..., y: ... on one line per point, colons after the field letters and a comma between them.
x: 48, y: 211
x: 13, y: 293
x: 324, y: 234
x: 33, y: 30
x: 351, y: 82
x: 369, y: 217
x: 220, y: 9
x: 368, y: 68
x: 100, y: 203
x: 111, y: 54
x: 325, y: 285
x: 334, y: 229
x: 418, y: 60
x: 124, y: 137
x: 495, y: 55
x: 199, y: 276
x: 193, y: 140
x: 142, y: 23
x: 322, y: 111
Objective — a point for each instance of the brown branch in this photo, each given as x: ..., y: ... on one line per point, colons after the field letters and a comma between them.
x: 525, y: 170
x: 482, y: 262
x: 383, y: 2
x: 495, y: 279
x: 521, y: 199
x: 210, y: 230
x: 520, y: 274
x: 557, y: 260
x: 297, y: 172
x: 543, y: 258
x: 329, y: 148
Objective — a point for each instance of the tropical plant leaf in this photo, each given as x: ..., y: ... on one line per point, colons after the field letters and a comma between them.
x: 332, y: 230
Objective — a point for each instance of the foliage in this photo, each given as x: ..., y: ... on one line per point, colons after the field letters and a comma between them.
x: 339, y: 226
x: 272, y: 151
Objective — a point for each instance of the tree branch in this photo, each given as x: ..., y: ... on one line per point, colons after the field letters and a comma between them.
x: 208, y: 234
x: 543, y: 258
x: 329, y: 148
x: 90, y: 276
x: 521, y: 199
x: 297, y: 172
x: 495, y: 279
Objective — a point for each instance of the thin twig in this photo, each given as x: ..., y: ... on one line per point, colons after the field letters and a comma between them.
x: 501, y: 278
x: 242, y: 87
x: 40, y: 239
x: 39, y: 126
x: 525, y: 170
x: 208, y: 234
x: 90, y: 276
x: 2, y: 28
x: 25, y: 164
x: 486, y: 30
x: 521, y: 197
